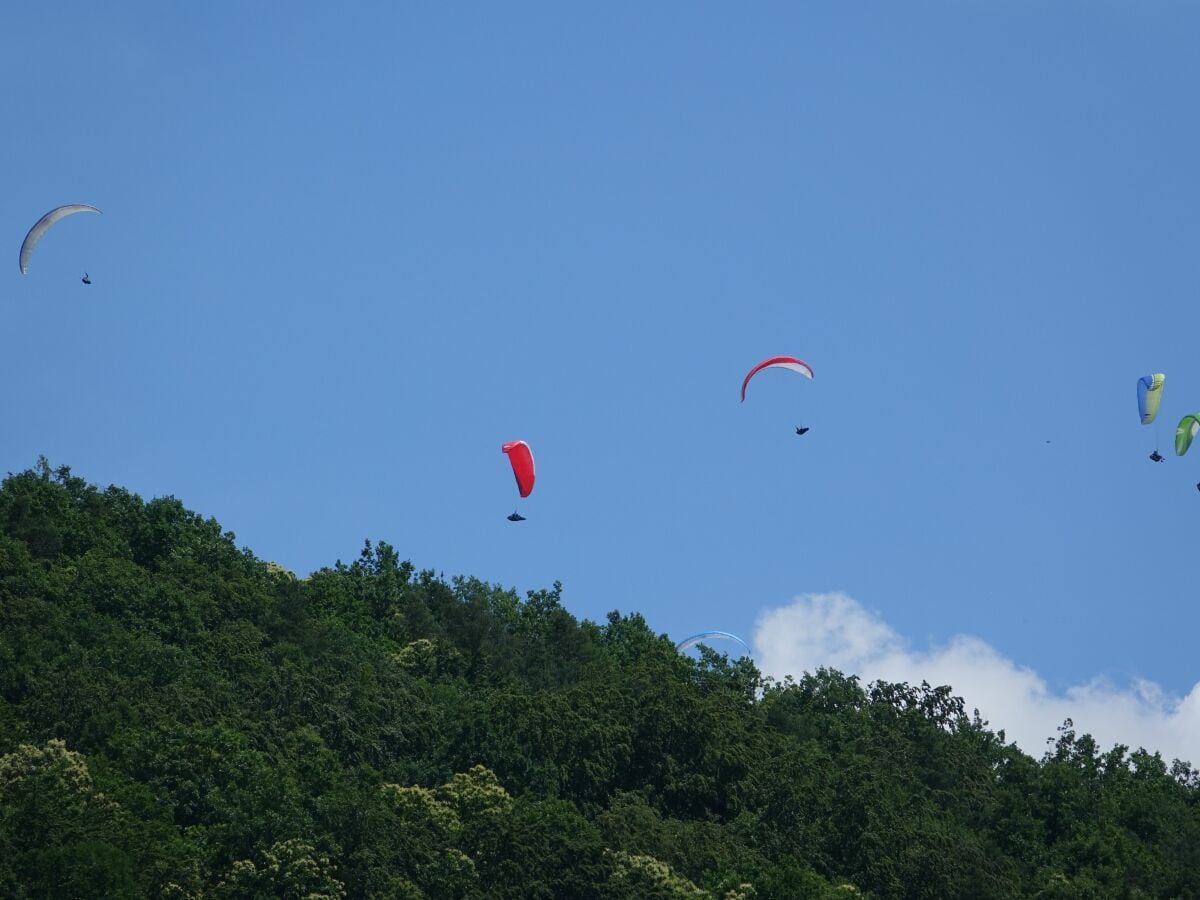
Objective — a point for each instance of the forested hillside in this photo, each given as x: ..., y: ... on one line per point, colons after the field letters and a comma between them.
x: 181, y: 719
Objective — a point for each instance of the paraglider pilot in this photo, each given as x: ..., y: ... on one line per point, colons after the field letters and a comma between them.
x: 85, y: 278
x: 1156, y: 456
x: 515, y: 517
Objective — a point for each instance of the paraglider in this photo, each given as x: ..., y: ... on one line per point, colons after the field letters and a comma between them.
x: 1149, y: 396
x: 800, y: 430
x: 778, y: 362
x: 42, y: 225
x: 705, y: 636
x: 521, y: 458
x: 85, y: 278
x: 1185, y: 431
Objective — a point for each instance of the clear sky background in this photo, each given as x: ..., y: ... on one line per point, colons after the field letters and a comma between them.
x: 346, y: 252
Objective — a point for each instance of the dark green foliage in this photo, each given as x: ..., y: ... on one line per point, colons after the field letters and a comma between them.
x: 180, y: 719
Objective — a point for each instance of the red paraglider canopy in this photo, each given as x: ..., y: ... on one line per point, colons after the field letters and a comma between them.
x: 782, y: 362
x: 521, y: 458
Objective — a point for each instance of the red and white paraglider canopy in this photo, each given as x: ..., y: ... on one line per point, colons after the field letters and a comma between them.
x: 778, y: 362
x: 521, y: 458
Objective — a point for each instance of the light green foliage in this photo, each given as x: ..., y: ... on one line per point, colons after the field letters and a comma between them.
x: 50, y: 767
x: 635, y: 875
x: 275, y: 570
x: 433, y: 659
x: 420, y: 808
x: 58, y: 833
x: 477, y: 797
x: 288, y: 870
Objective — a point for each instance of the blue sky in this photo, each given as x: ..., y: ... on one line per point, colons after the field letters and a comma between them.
x: 345, y: 255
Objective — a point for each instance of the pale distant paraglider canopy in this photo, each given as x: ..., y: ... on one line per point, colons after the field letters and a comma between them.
x: 705, y: 636
x: 1188, y: 428
x: 778, y: 362
x: 42, y: 225
x: 521, y: 458
x: 1149, y: 391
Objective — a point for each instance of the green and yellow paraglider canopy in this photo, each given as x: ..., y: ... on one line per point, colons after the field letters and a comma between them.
x: 1187, y: 429
x: 1149, y: 391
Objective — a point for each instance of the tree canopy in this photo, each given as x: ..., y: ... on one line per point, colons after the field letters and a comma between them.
x: 181, y: 719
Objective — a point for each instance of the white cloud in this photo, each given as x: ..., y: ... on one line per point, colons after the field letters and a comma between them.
x: 836, y: 631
